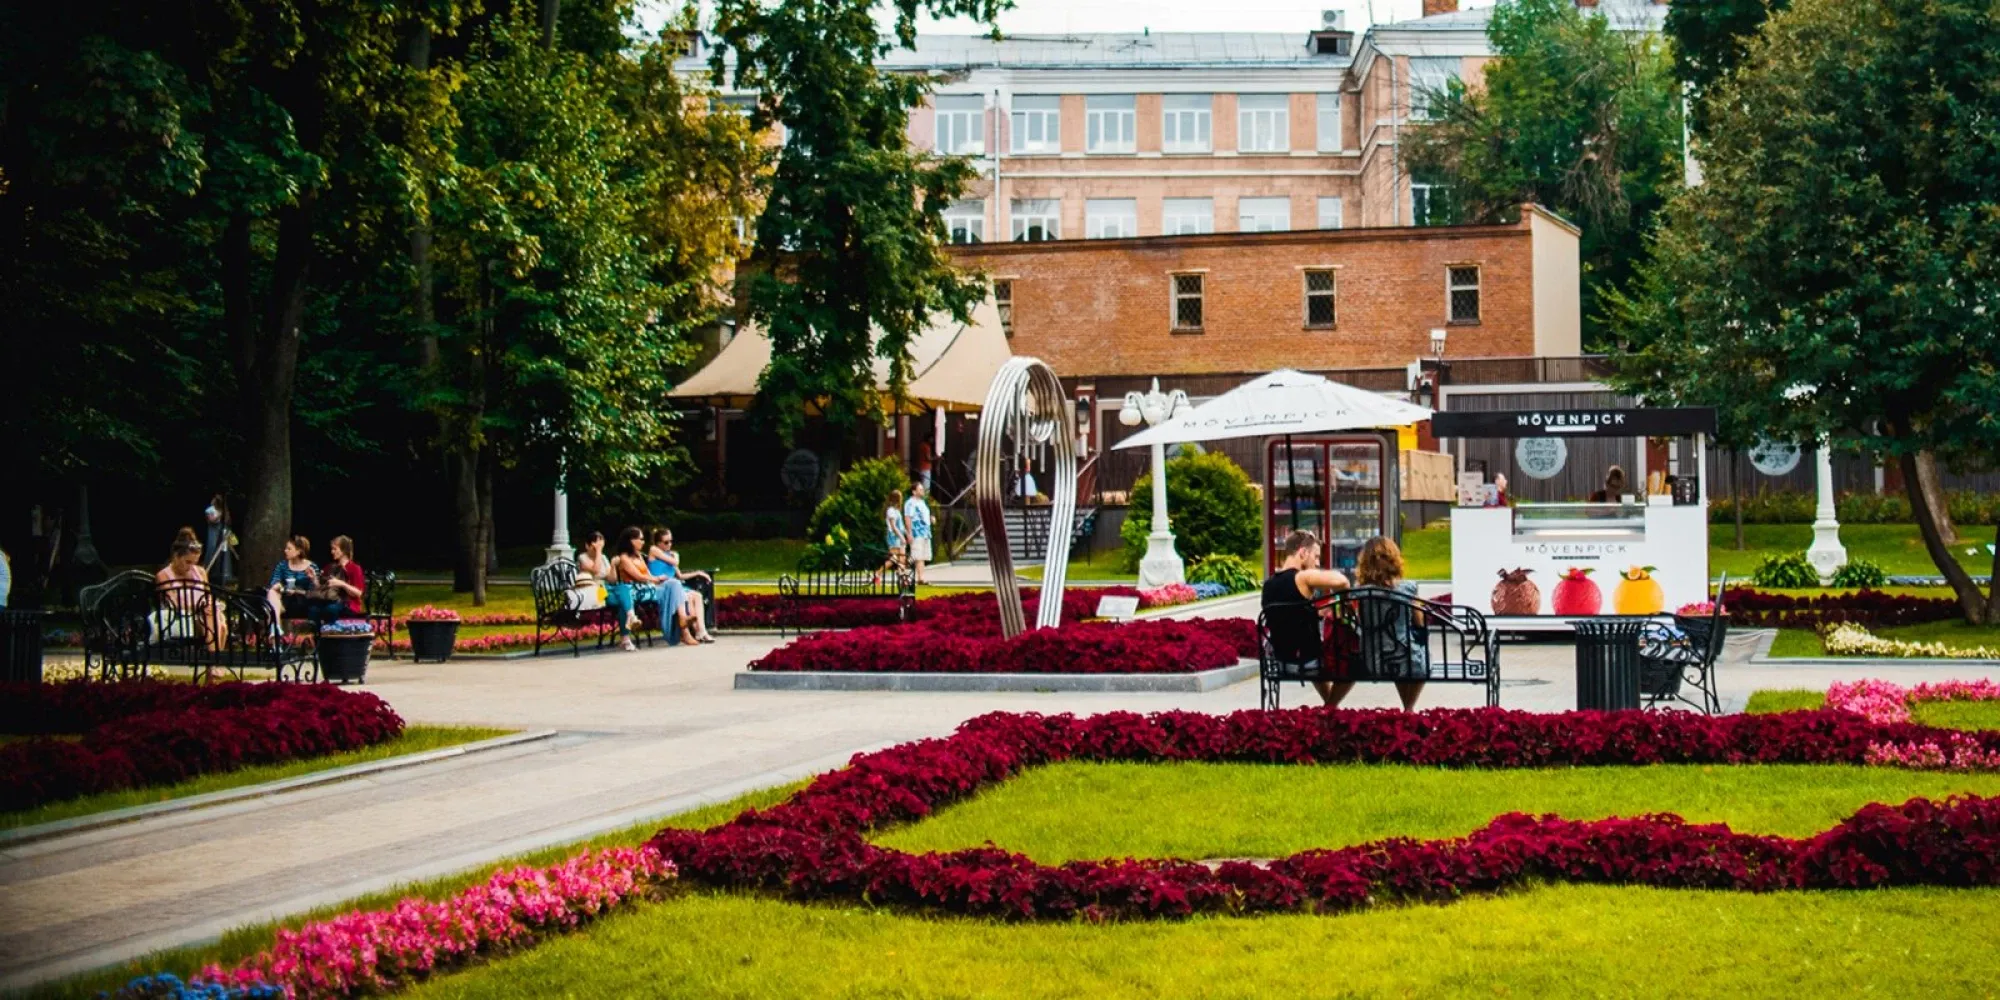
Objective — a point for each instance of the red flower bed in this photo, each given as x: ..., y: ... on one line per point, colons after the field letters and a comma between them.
x: 813, y: 845
x: 1756, y: 609
x: 761, y: 610
x: 142, y: 733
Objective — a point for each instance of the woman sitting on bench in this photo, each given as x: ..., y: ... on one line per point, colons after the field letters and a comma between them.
x: 1381, y: 565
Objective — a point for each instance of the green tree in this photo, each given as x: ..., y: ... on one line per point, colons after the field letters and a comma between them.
x: 1709, y: 40
x: 1572, y: 115
x: 1210, y: 506
x: 1836, y: 272
x: 849, y: 264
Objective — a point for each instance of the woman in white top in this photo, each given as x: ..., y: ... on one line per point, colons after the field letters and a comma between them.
x: 895, y: 535
x: 593, y: 569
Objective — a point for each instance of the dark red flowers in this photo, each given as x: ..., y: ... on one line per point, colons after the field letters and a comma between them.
x: 140, y: 733
x: 1873, y: 608
x: 814, y: 845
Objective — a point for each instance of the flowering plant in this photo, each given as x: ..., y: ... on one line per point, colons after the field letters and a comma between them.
x: 1205, y: 591
x: 1167, y: 596
x: 347, y: 627
x: 1848, y: 639
x: 1697, y: 609
x: 1756, y: 609
x: 433, y: 613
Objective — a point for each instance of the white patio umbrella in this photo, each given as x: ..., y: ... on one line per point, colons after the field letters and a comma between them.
x: 1285, y: 402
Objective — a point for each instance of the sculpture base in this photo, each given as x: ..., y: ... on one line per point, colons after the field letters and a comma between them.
x: 1826, y: 553
x: 1162, y: 564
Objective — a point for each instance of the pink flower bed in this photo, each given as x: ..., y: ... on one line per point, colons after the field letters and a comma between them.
x: 378, y: 951
x: 1884, y: 702
x: 1168, y: 596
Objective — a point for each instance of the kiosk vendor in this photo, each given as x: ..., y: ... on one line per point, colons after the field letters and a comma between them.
x: 1625, y: 554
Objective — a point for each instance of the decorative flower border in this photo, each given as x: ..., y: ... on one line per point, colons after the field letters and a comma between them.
x: 1883, y: 702
x: 1849, y: 639
x: 1756, y: 609
x: 142, y: 733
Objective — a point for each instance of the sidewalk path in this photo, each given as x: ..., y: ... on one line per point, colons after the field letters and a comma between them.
x: 641, y: 735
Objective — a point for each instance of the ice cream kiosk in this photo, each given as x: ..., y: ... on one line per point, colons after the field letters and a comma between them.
x: 1643, y: 551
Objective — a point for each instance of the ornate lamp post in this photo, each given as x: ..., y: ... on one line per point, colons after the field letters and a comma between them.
x: 1162, y: 565
x: 1826, y: 553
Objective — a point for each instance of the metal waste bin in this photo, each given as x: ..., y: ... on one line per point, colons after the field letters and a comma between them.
x: 1607, y: 663
x: 20, y: 645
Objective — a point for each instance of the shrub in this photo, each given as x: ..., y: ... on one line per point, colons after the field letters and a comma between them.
x: 1786, y: 572
x: 1234, y: 573
x: 1860, y: 573
x: 1210, y: 505
x: 1754, y: 609
x: 846, y: 528
x: 1795, y: 507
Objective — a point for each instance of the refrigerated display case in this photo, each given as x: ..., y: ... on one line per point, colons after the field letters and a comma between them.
x: 1340, y: 487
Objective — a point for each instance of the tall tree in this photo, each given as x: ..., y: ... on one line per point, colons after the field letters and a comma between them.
x: 1572, y: 115
x: 849, y: 264
x: 1836, y: 272
x: 1709, y: 40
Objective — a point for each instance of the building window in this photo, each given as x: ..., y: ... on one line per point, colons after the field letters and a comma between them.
x: 1037, y: 219
x: 961, y: 125
x: 1329, y: 213
x: 1110, y: 123
x: 1430, y: 203
x: 740, y: 105
x: 1003, y: 299
x: 1185, y: 122
x: 1263, y: 215
x: 1319, y: 298
x: 1037, y: 125
x: 1430, y: 84
x: 1187, y: 301
x: 1110, y: 218
x: 1262, y: 123
x: 965, y: 221
x: 1183, y: 216
x: 1329, y: 123
x: 1462, y: 293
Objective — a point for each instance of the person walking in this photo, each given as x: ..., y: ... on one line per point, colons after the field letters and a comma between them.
x: 895, y: 536
x: 917, y: 516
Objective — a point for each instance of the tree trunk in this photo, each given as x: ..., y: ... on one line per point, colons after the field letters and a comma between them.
x: 490, y: 548
x: 1736, y: 494
x: 550, y: 10
x: 267, y: 356
x: 417, y: 56
x: 1923, y: 509
x: 1933, y: 485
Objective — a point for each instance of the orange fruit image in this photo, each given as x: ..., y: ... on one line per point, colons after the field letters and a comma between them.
x: 1638, y: 593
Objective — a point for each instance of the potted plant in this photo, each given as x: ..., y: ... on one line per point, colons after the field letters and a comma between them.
x: 343, y: 649
x: 433, y: 633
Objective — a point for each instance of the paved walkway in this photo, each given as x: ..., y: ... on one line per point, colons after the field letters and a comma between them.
x: 643, y: 735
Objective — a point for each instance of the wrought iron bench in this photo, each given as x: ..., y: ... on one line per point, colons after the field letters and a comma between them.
x: 796, y: 590
x: 132, y: 624
x: 1372, y: 634
x: 1676, y: 659
x: 558, y: 618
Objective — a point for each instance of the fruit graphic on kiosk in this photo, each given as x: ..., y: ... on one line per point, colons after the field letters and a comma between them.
x: 1516, y: 594
x: 1576, y: 593
x: 1638, y: 593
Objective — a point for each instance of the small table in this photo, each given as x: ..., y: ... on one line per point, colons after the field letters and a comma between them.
x: 1607, y: 663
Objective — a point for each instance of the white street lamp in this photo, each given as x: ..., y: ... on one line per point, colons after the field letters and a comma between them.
x: 1826, y: 554
x: 1162, y: 565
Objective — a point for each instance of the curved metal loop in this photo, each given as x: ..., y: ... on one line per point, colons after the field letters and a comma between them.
x: 1026, y: 394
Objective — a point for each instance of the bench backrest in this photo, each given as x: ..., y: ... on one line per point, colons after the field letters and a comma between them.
x: 1379, y: 632
x: 843, y: 583
x: 133, y: 621
x: 552, y: 584
x: 378, y: 600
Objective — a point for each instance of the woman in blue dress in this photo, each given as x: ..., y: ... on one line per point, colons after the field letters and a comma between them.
x: 675, y: 597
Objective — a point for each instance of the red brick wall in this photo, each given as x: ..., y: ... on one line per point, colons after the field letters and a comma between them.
x: 1102, y: 307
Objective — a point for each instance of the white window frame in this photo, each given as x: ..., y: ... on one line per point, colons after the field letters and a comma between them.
x: 1451, y: 286
x: 1263, y: 123
x: 1244, y: 220
x: 969, y: 217
x: 961, y: 124
x: 1175, y: 295
x: 1187, y: 123
x: 1331, y: 294
x: 1032, y: 113
x: 1337, y: 216
x: 1110, y: 218
x: 1110, y: 123
x: 1327, y: 112
x: 1026, y: 213
x: 1429, y: 191
x: 1187, y: 216
x: 1430, y: 75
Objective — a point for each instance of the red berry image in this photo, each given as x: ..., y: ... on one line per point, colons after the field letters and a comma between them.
x: 1577, y: 594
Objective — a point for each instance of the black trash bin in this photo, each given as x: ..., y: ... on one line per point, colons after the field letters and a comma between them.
x: 21, y: 645
x: 1607, y: 663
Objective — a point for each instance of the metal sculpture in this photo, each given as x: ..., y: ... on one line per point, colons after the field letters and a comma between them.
x: 1026, y: 401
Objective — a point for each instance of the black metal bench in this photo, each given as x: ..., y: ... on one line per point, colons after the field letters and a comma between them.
x: 1674, y: 660
x: 797, y: 590
x: 131, y: 624
x: 1372, y: 634
x: 556, y: 611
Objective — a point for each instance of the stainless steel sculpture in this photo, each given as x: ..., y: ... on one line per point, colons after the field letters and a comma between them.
x: 1027, y: 402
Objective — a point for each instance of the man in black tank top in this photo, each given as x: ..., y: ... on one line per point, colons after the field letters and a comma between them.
x: 1294, y: 623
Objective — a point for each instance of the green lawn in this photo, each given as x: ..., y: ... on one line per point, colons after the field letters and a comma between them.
x: 414, y: 739
x: 1948, y: 714
x: 1956, y: 634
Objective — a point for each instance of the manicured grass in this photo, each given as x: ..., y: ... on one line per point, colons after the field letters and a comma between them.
x: 414, y: 739
x: 1077, y: 811
x: 1555, y: 941
x: 1786, y: 700
x: 1427, y: 552
x: 1106, y: 562
x: 753, y: 560
x: 241, y: 943
x: 1956, y: 634
x: 1947, y: 714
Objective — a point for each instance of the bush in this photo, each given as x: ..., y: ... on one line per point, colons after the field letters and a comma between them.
x: 1210, y: 505
x: 1755, y: 609
x: 1794, y: 507
x: 1234, y: 573
x: 1786, y: 572
x: 846, y: 528
x: 1860, y: 573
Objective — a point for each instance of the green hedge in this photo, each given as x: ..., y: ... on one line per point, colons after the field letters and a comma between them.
x: 1793, y: 507
x: 1210, y: 505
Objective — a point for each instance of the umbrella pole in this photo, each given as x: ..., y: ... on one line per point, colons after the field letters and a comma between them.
x: 1291, y: 483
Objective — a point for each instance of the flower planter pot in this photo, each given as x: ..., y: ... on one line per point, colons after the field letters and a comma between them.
x: 432, y: 640
x: 344, y: 658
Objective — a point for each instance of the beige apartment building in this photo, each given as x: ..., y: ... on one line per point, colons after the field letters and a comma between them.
x: 1120, y: 135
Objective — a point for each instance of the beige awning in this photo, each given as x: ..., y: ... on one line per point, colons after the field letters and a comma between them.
x: 951, y: 365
